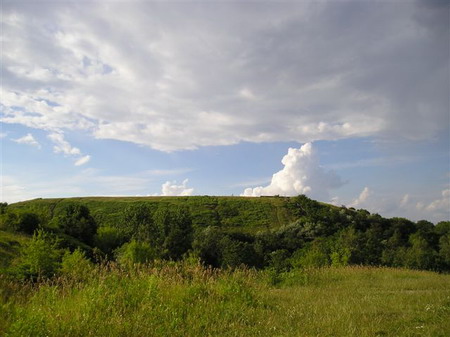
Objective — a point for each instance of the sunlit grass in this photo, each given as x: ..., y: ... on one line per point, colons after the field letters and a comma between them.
x: 186, y: 300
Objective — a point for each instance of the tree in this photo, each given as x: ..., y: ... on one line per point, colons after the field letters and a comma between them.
x: 394, y: 251
x: 420, y: 255
x: 76, y: 221
x: 178, y: 239
x: 207, y: 246
x: 372, y: 247
x: 25, y: 222
x: 236, y: 253
x: 444, y: 251
x: 442, y: 228
x: 138, y: 223
x: 3, y: 207
x: 346, y: 248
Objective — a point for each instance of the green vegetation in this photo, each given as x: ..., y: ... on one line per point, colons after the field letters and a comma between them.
x: 219, y: 266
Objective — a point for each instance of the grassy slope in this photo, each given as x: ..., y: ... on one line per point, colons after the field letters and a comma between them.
x: 10, y: 244
x: 248, y: 214
x: 190, y: 301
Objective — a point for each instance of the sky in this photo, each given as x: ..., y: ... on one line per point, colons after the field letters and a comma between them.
x: 344, y: 101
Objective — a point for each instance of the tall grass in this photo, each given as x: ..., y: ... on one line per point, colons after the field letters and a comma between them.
x: 188, y: 300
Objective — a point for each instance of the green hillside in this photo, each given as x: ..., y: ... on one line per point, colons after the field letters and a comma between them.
x: 247, y: 214
x: 10, y: 244
x: 267, y: 232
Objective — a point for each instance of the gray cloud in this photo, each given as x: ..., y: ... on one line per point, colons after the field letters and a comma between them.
x: 183, y: 75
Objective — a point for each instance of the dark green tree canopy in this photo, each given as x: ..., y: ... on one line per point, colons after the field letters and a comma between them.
x: 76, y: 221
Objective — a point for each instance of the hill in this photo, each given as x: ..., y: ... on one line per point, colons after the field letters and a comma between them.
x: 266, y: 232
x: 247, y: 214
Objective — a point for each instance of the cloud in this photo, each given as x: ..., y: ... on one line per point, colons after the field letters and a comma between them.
x: 440, y: 206
x: 414, y: 207
x: 362, y: 198
x: 172, y: 189
x: 247, y: 94
x: 175, y: 76
x: 83, y: 160
x: 165, y: 172
x: 28, y: 139
x: 405, y: 201
x: 64, y: 147
x: 301, y: 174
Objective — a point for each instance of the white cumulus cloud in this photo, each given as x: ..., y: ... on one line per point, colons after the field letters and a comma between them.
x: 170, y: 188
x: 83, y: 160
x: 440, y: 206
x: 301, y: 174
x: 362, y: 198
x: 28, y: 139
x: 64, y: 147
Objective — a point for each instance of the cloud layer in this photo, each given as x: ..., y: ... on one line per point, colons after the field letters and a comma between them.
x: 301, y: 174
x: 177, y: 76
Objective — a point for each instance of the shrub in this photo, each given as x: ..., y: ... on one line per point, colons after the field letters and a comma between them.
x: 41, y: 257
x: 315, y: 254
x: 76, y: 265
x: 108, y: 239
x: 135, y: 252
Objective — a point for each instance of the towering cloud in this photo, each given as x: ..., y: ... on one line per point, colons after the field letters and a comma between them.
x: 170, y: 188
x: 301, y: 174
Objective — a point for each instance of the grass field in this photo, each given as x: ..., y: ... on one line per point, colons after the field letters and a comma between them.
x: 188, y: 300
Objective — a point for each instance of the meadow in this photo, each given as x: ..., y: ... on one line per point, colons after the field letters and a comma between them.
x: 186, y: 299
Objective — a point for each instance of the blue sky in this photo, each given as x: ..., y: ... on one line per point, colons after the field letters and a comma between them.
x: 346, y: 102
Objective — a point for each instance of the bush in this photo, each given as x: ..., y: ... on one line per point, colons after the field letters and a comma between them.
x: 135, y: 252
x: 315, y: 254
x: 76, y: 265
x: 41, y: 257
x: 108, y: 239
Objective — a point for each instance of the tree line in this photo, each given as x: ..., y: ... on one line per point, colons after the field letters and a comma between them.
x: 322, y: 235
